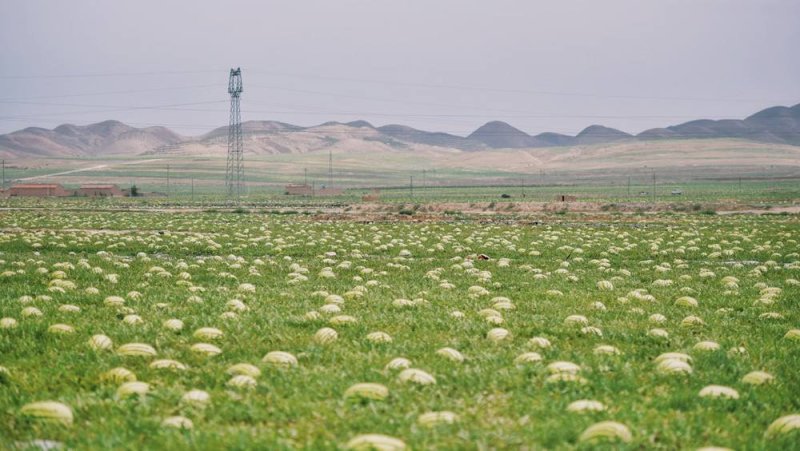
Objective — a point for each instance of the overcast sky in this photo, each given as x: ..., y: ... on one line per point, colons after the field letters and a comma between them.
x: 446, y: 65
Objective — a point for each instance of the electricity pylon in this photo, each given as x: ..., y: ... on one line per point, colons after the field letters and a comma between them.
x: 234, y: 169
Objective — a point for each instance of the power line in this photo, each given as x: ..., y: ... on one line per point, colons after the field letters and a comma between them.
x: 507, y: 90
x: 139, y: 124
x: 105, y: 74
x: 385, y: 100
x: 106, y: 93
x: 114, y: 109
x: 386, y: 82
x: 179, y: 107
x: 351, y: 113
x: 461, y: 115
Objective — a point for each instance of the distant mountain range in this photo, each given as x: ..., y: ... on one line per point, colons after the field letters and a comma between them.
x: 108, y: 137
x: 780, y: 125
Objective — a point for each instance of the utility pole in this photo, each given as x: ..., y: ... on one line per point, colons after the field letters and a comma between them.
x: 654, y: 186
x: 411, y: 185
x: 629, y: 186
x: 423, y: 178
x: 192, y: 189
x: 167, y: 180
x: 4, y: 174
x: 522, y: 187
x: 305, y: 176
x: 330, y: 168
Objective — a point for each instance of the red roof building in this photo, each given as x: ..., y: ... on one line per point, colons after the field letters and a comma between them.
x: 39, y: 190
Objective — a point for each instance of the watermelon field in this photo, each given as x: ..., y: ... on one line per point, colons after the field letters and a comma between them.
x: 247, y: 330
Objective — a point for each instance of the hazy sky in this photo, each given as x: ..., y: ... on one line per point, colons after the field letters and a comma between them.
x: 447, y: 65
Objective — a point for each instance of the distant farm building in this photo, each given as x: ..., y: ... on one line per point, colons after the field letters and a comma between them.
x: 100, y: 191
x: 299, y: 190
x: 566, y: 198
x: 39, y: 190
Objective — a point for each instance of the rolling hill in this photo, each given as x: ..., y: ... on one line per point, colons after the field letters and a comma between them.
x: 776, y: 125
x: 103, y: 138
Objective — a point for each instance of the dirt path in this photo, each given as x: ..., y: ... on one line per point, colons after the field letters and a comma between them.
x: 91, y: 168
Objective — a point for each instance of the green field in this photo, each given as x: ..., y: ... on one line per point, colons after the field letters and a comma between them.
x: 610, y: 298
x: 444, y: 177
x: 695, y: 196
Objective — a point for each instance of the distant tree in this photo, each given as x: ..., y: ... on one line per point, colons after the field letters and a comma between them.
x: 134, y: 191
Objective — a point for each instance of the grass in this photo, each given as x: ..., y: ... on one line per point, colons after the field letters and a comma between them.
x: 201, y: 179
x: 168, y: 257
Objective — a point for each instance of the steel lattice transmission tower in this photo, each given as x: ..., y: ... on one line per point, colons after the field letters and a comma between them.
x: 234, y: 170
